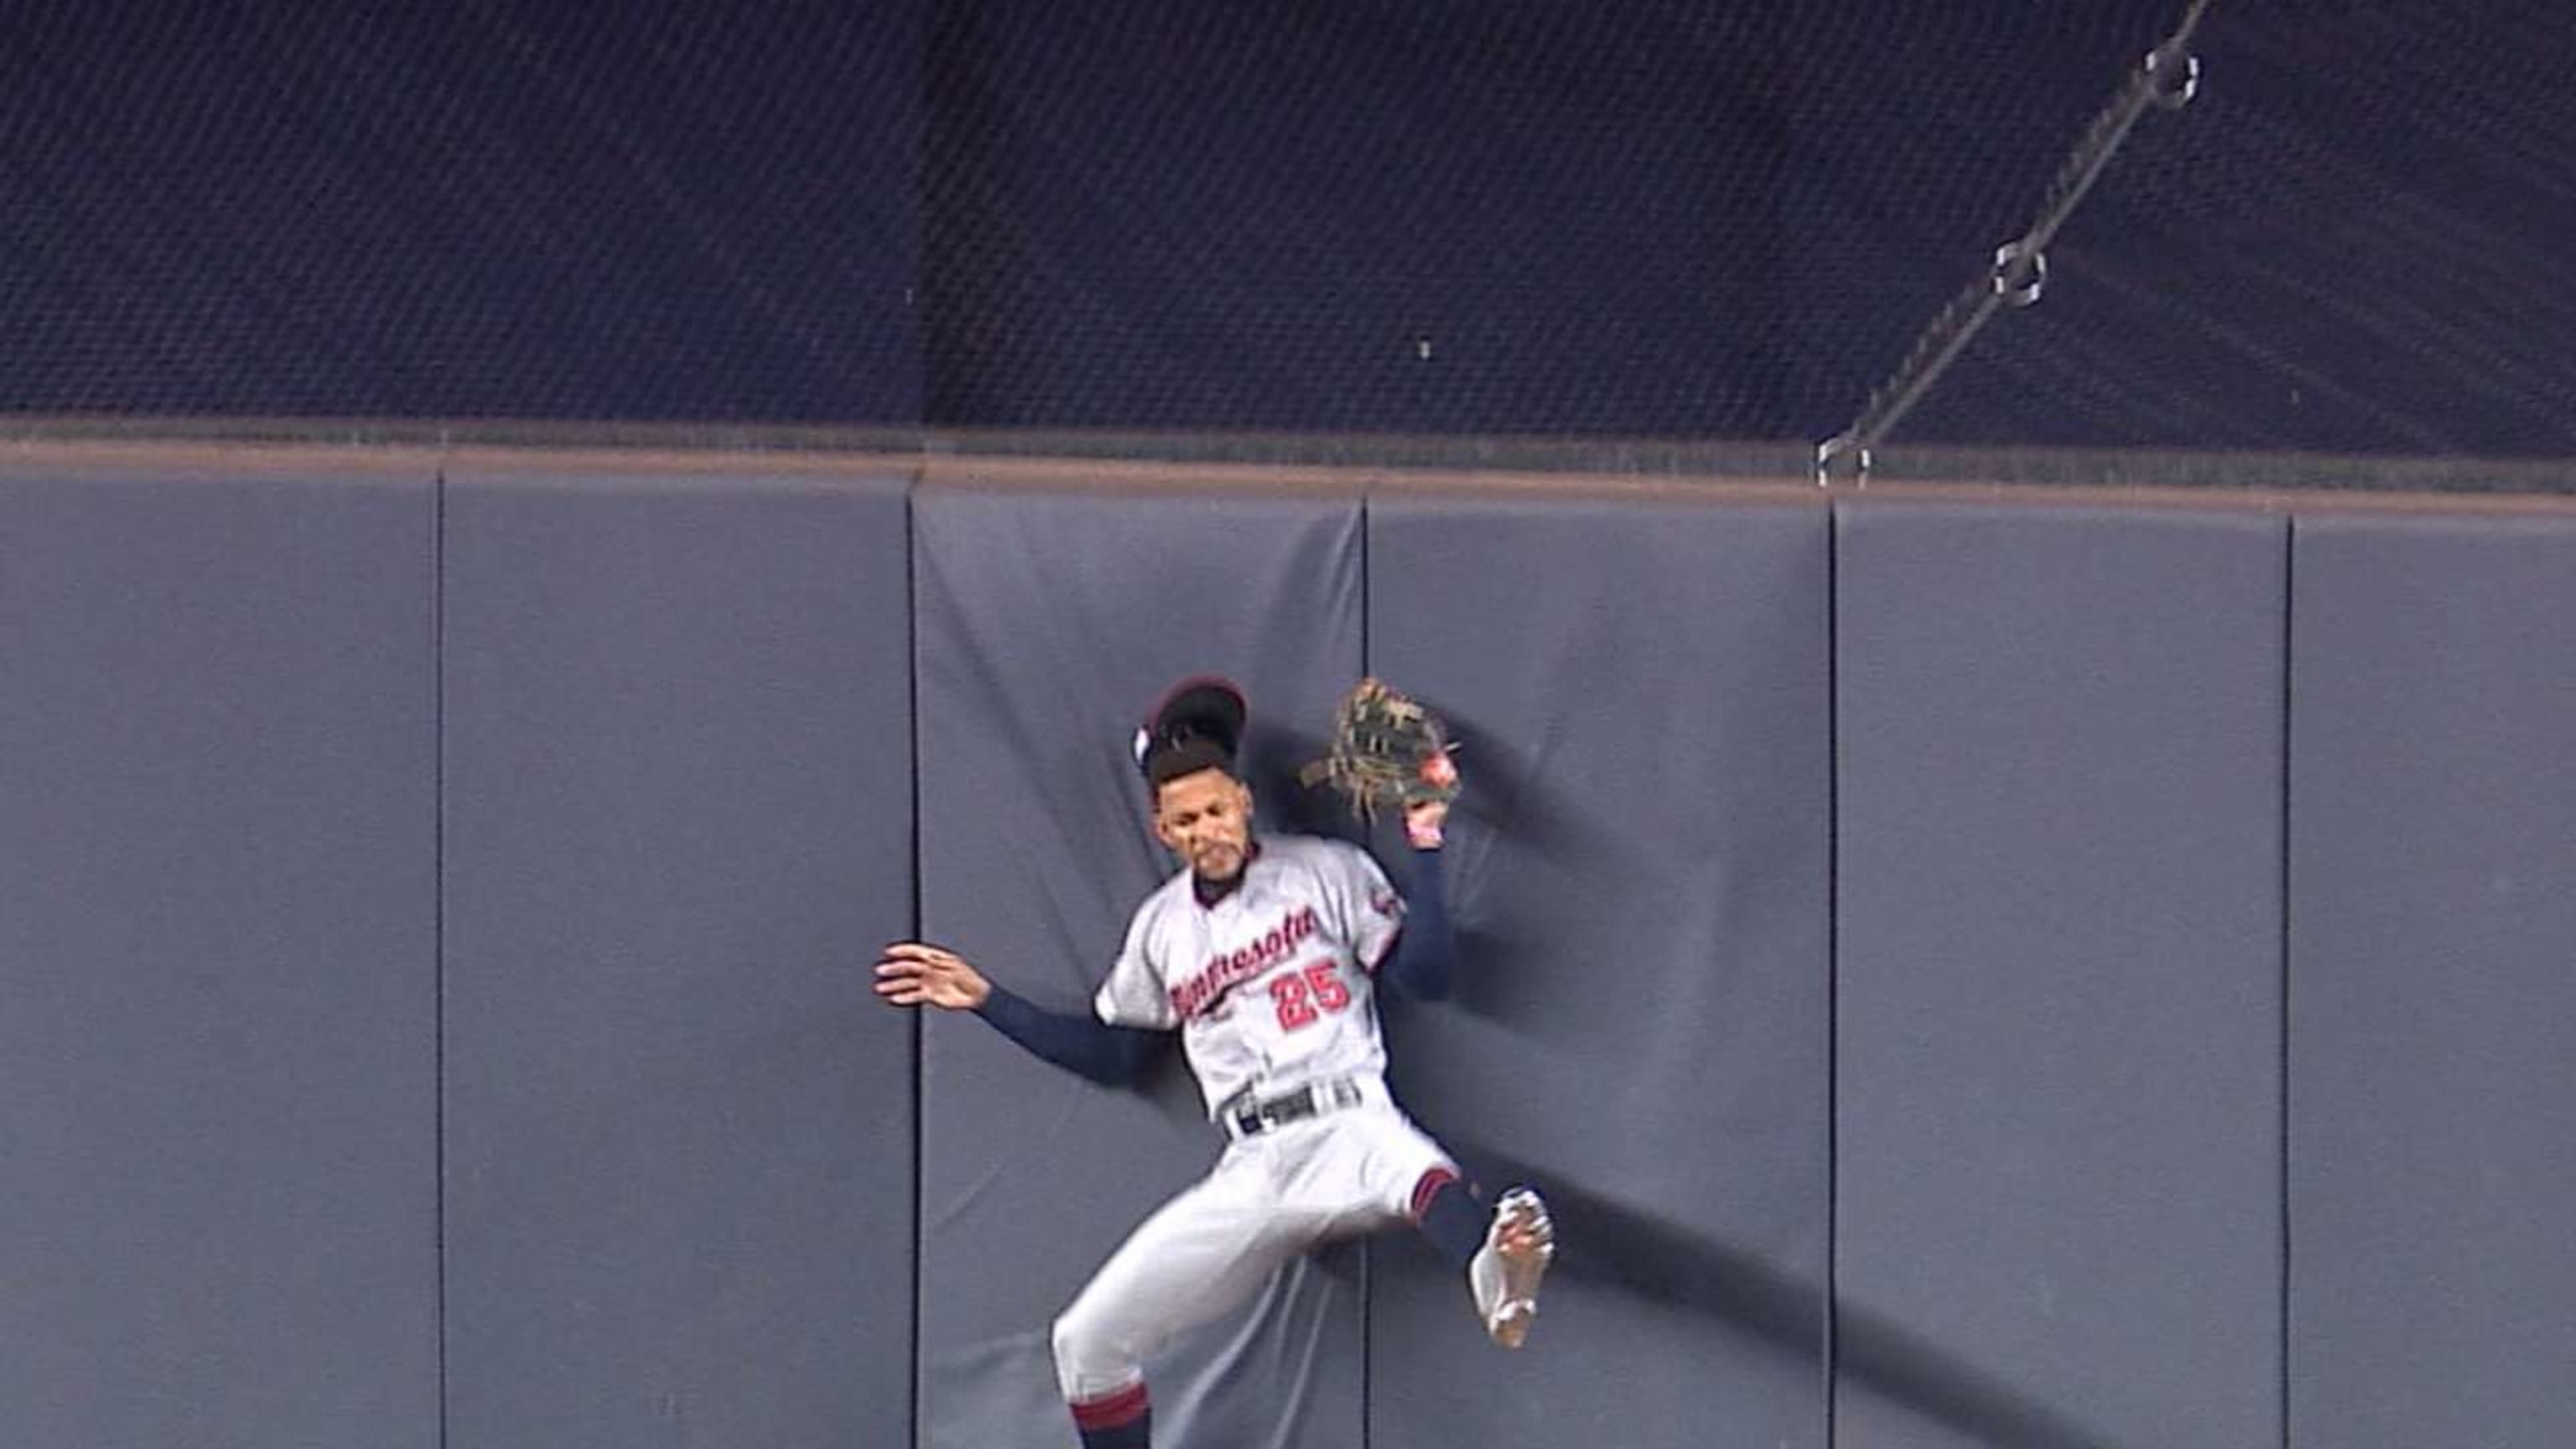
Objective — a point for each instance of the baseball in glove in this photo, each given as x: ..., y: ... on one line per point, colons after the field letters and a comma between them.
x: 1387, y: 752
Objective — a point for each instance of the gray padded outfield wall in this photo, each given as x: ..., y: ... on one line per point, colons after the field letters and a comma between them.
x: 679, y: 1129
x: 2059, y: 960
x: 1049, y: 623
x: 1885, y: 902
x: 1639, y: 875
x: 2432, y: 1075
x: 218, y: 1126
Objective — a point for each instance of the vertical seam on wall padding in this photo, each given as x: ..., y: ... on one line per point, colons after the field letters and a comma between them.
x: 1368, y: 1261
x: 2289, y: 619
x: 1833, y: 946
x: 438, y: 922
x: 919, y: 1063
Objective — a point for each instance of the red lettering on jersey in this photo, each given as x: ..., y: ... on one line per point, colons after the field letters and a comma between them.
x: 1224, y: 972
x: 1303, y: 996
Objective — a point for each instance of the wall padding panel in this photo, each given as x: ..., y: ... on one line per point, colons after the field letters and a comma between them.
x: 2059, y: 963
x: 679, y: 1129
x: 218, y: 1117
x: 1639, y: 873
x: 2432, y: 1060
x: 1049, y: 624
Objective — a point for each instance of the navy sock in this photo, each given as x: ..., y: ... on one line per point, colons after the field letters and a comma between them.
x: 1134, y: 1434
x: 1450, y: 1216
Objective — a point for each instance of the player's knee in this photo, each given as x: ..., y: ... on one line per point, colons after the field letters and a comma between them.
x: 1065, y: 1340
x: 1086, y: 1360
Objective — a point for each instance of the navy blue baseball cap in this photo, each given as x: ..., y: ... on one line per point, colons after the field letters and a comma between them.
x: 1197, y: 725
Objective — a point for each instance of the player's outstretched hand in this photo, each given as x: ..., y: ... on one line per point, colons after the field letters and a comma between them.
x: 912, y: 973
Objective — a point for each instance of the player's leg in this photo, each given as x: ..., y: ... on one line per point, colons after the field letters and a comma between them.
x: 1197, y: 1257
x: 1504, y: 1249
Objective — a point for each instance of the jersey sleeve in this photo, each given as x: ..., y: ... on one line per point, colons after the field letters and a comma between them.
x: 1133, y: 994
x: 1364, y: 905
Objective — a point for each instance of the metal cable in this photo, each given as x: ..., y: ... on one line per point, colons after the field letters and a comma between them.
x: 2167, y: 79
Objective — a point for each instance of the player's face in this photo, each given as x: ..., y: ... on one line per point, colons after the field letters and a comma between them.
x: 1206, y: 820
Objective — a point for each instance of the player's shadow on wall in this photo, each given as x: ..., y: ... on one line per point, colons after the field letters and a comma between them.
x: 1640, y: 1255
x: 1611, y: 1245
x: 1510, y: 798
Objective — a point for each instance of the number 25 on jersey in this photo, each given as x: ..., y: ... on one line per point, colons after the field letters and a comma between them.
x: 1308, y: 992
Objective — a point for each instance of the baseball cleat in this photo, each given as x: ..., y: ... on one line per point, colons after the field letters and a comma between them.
x: 1506, y: 1271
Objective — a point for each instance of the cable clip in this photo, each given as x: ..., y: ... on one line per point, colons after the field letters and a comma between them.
x: 2021, y: 271
x: 2175, y: 83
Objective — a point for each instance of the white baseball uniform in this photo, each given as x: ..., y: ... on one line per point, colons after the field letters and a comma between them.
x: 1273, y: 992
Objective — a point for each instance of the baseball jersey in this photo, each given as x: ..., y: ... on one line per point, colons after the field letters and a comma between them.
x: 1273, y: 986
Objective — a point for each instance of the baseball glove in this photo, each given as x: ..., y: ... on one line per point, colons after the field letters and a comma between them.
x: 1387, y: 752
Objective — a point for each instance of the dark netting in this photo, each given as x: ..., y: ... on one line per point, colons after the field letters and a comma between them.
x: 1637, y: 219
x: 1658, y: 219
x: 2353, y: 240
x: 515, y: 209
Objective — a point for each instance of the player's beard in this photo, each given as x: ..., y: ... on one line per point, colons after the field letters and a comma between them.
x: 1218, y: 862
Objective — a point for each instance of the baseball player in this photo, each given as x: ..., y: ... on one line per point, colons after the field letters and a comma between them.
x: 1264, y: 953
